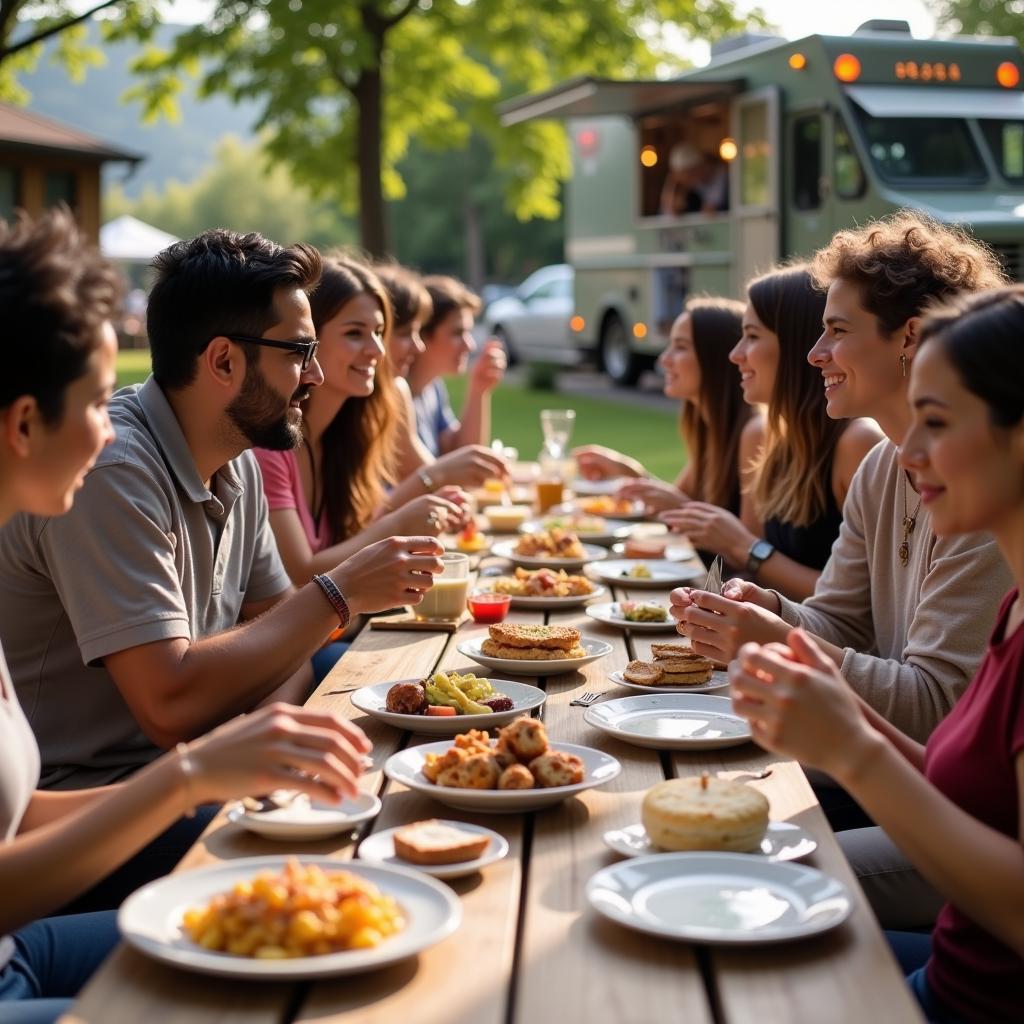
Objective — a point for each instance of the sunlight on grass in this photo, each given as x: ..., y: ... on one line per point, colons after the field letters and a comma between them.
x: 132, y: 366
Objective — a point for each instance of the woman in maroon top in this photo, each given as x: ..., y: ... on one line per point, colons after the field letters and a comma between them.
x: 955, y: 806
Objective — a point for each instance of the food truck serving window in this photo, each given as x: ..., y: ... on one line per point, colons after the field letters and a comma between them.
x: 921, y: 149
x: 1006, y: 140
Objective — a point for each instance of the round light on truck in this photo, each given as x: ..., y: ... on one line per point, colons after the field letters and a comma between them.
x: 577, y: 323
x: 728, y: 150
x: 797, y: 61
x: 846, y: 67
x: 1008, y: 75
x: 648, y: 156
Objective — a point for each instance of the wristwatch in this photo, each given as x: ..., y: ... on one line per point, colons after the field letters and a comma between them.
x: 760, y: 551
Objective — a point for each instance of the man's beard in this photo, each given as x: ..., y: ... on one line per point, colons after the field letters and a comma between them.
x: 257, y: 413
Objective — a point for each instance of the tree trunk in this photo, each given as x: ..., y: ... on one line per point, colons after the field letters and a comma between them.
x: 476, y: 271
x: 368, y: 92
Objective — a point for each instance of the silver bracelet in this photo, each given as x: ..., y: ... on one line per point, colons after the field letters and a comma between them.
x: 188, y: 771
x: 426, y: 479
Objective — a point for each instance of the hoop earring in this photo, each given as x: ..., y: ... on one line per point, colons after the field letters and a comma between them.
x: 903, y: 364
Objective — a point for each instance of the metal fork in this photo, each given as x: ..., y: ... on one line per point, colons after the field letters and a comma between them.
x: 584, y: 700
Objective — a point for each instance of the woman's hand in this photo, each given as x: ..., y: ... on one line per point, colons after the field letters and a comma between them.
x: 463, y: 507
x: 429, y: 513
x: 798, y: 704
x: 711, y: 528
x: 596, y: 462
x: 280, y: 747
x: 486, y: 373
x: 469, y: 466
x: 718, y: 625
x: 656, y: 495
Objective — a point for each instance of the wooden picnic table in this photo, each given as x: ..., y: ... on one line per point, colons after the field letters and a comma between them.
x: 530, y: 949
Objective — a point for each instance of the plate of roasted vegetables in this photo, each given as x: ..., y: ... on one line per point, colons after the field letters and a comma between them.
x: 447, y: 703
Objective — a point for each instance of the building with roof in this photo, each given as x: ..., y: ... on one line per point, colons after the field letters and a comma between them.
x: 44, y: 162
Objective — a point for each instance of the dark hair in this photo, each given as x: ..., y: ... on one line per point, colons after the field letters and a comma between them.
x: 56, y: 292
x: 905, y: 262
x: 409, y: 299
x: 983, y: 338
x: 712, y: 432
x: 359, y: 443
x: 220, y: 282
x: 792, y: 480
x: 446, y: 295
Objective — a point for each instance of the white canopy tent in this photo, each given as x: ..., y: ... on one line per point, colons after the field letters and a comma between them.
x: 130, y: 240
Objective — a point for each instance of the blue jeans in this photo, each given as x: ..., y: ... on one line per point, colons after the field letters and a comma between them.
x: 912, y: 950
x: 53, y: 959
x: 324, y: 659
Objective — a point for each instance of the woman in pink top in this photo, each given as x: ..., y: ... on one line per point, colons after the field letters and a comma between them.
x: 955, y: 806
x: 58, y: 299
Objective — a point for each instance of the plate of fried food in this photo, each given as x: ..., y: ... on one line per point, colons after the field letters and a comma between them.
x: 447, y: 703
x: 656, y: 572
x: 671, y: 721
x: 276, y: 918
x: 444, y: 849
x: 607, y: 505
x: 595, y: 529
x: 556, y: 549
x: 545, y: 588
x: 606, y: 488
x: 523, y: 649
x: 672, y: 668
x: 286, y: 814
x: 519, y: 771
x: 641, y: 616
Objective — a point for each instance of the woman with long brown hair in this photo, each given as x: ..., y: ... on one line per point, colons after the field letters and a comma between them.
x: 800, y: 479
x: 326, y: 498
x: 722, y: 434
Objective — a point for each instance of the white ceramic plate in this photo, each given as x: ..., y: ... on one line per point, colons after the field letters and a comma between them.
x: 634, y: 514
x: 671, y: 721
x: 610, y: 613
x: 379, y: 848
x: 595, y: 649
x: 307, y: 821
x: 664, y: 573
x: 719, y: 681
x: 507, y: 549
x: 676, y: 551
x: 614, y: 529
x: 594, y: 487
x: 373, y: 701
x: 556, y: 602
x: 150, y: 919
x: 722, y: 898
x: 782, y: 841
x: 405, y: 767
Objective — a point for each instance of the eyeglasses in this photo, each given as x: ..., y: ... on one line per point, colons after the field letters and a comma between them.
x: 307, y: 349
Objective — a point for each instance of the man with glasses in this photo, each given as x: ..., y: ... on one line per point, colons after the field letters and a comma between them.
x: 159, y: 606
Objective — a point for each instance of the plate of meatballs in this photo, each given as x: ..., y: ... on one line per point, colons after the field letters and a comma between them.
x: 519, y: 771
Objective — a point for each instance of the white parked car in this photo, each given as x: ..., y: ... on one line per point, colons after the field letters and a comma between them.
x: 533, y: 322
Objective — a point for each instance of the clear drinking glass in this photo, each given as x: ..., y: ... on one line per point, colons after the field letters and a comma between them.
x: 446, y: 599
x: 557, y: 426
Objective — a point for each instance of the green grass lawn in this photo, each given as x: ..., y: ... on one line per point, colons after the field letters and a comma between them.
x: 649, y: 435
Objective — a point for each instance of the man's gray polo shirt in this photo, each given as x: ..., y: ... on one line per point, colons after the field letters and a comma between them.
x: 147, y: 553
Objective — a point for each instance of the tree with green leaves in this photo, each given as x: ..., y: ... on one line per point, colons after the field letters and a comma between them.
x: 980, y: 17
x: 347, y: 84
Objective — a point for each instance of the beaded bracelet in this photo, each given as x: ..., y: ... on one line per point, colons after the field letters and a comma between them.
x: 188, y: 771
x: 335, y: 596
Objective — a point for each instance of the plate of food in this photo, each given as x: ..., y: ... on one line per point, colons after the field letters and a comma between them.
x: 671, y: 668
x: 659, y: 573
x: 277, y: 918
x: 470, y: 540
x: 641, y: 616
x: 607, y: 505
x: 519, y: 771
x: 782, y: 841
x: 595, y: 529
x: 671, y: 721
x: 444, y: 849
x: 286, y: 814
x: 447, y: 703
x: 545, y: 588
x: 600, y: 488
x: 555, y: 549
x: 523, y: 649
x: 720, y: 898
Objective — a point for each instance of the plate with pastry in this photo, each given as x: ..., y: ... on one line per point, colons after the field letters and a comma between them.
x: 545, y: 588
x: 600, y: 488
x: 672, y: 668
x: 659, y: 573
x: 444, y: 849
x: 287, y: 814
x: 525, y: 649
x: 605, y: 505
x: 519, y: 771
x: 640, y: 616
x: 782, y: 841
x: 447, y: 703
x: 554, y: 549
x: 720, y: 898
x: 671, y: 721
x: 596, y: 529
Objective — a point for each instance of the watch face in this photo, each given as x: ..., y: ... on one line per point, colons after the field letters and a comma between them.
x: 762, y: 549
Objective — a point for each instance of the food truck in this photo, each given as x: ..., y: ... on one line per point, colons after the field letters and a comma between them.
x: 692, y: 185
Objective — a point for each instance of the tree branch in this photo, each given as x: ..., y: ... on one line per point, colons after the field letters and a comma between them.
x: 399, y: 14
x: 46, y: 33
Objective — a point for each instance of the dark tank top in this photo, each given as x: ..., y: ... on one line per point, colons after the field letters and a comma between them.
x: 810, y: 545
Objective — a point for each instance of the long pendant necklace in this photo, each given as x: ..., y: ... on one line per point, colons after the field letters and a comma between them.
x: 909, y: 522
x: 315, y: 506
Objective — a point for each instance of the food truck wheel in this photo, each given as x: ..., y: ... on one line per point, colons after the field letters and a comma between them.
x: 618, y: 360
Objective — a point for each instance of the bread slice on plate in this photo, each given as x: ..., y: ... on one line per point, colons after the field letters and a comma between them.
x: 434, y: 842
x: 643, y: 673
x: 672, y: 651
x: 519, y: 634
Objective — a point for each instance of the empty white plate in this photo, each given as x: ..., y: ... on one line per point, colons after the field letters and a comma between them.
x: 719, y: 681
x: 379, y: 848
x: 611, y: 614
x: 663, y: 573
x: 507, y: 549
x: 305, y: 819
x: 782, y: 841
x: 671, y: 721
x: 542, y: 667
x: 150, y: 919
x: 719, y: 898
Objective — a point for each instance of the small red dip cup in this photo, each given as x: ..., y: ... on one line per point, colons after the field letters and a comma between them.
x: 489, y: 607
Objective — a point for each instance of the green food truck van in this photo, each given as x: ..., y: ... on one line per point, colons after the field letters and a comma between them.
x: 694, y: 184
